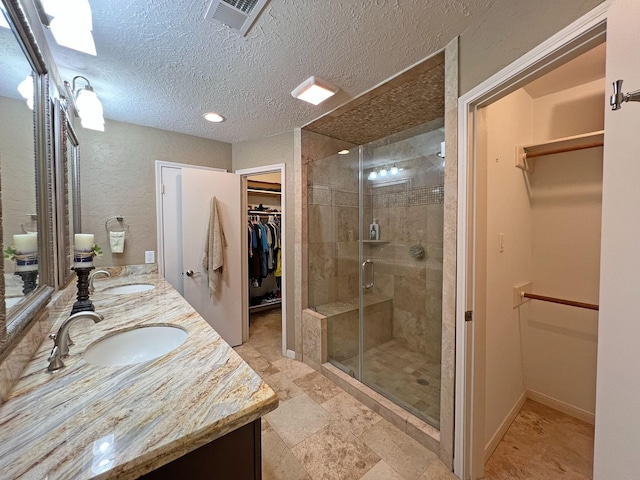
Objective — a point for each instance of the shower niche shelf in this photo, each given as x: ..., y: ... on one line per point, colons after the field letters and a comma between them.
x: 376, y: 242
x: 525, y: 154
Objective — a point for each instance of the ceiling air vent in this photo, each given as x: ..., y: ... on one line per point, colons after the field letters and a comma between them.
x: 236, y: 14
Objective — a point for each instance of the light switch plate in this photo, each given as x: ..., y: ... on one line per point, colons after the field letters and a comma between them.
x: 149, y: 256
x: 526, y: 287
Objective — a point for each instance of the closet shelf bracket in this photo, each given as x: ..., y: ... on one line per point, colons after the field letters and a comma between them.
x: 525, y: 154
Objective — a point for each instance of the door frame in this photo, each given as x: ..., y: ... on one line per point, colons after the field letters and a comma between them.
x: 159, y: 164
x: 244, y: 173
x: 576, y: 38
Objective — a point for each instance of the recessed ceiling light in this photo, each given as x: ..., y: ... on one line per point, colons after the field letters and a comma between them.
x: 213, y: 117
x: 314, y: 90
x: 343, y: 152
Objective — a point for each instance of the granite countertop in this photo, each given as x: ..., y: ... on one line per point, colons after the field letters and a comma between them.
x: 87, y: 421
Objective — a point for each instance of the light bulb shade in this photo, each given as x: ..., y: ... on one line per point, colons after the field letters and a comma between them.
x: 88, y: 104
x: 25, y: 88
x: 93, y: 123
x: 394, y: 170
x: 383, y: 172
x: 314, y: 90
x: 373, y: 175
x: 90, y: 109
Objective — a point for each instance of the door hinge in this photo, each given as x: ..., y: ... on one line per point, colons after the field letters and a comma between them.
x: 468, y: 315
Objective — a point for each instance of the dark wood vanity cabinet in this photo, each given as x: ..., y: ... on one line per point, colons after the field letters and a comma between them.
x: 235, y: 456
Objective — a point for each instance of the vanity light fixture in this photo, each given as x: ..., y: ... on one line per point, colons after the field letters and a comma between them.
x: 70, y: 23
x: 25, y: 88
x: 214, y: 117
x: 314, y: 90
x: 86, y: 104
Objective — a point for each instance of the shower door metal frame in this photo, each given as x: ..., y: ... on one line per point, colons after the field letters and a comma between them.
x: 360, y: 260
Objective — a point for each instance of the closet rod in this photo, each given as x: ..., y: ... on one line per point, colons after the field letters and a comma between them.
x: 561, y: 301
x: 563, y: 149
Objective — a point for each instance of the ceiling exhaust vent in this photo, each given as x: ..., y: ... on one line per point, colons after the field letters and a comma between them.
x: 236, y: 14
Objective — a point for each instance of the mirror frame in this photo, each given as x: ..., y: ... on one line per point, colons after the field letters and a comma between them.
x: 67, y: 164
x: 12, y: 327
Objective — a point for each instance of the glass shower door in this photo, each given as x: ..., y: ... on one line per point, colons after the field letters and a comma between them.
x: 334, y: 281
x: 401, y: 209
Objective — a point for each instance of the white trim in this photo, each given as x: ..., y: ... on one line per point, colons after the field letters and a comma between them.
x: 159, y: 164
x: 504, y: 426
x: 274, y: 168
x: 291, y: 354
x: 572, y: 38
x: 563, y: 407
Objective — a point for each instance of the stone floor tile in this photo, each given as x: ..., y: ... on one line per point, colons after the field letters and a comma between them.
x: 255, y: 360
x: 437, y: 471
x: 382, y: 471
x: 356, y: 416
x: 292, y: 368
x: 278, y: 463
x: 298, y: 419
x: 318, y: 387
x: 335, y: 454
x: 283, y: 386
x: 402, y: 453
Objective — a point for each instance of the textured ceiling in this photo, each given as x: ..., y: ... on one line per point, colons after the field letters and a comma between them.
x: 161, y: 64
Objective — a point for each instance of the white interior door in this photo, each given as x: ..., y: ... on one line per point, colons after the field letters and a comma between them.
x: 171, y: 226
x: 223, y: 311
x: 617, y: 437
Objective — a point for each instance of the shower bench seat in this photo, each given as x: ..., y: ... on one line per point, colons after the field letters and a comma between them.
x: 331, y: 330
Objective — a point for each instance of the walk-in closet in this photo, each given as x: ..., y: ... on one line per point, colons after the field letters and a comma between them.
x: 264, y: 242
x: 540, y: 173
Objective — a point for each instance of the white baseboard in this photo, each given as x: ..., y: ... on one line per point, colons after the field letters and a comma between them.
x: 291, y: 354
x: 562, y: 407
x: 504, y: 426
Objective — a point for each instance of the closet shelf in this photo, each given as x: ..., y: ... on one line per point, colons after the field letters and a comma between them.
x: 262, y: 212
x: 526, y: 153
x: 265, y: 306
x: 263, y: 192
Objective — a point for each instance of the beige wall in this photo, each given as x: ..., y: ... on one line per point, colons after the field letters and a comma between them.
x: 560, y: 343
x: 508, y: 30
x: 551, y: 225
x: 117, y: 176
x: 17, y: 160
x: 508, y: 212
x: 270, y: 151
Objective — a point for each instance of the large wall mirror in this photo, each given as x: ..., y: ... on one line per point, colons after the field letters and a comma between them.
x: 25, y: 176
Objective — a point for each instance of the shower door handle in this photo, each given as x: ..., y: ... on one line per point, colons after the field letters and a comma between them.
x: 364, y: 274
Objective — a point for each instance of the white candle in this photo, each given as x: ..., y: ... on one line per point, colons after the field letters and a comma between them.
x: 83, y: 242
x: 25, y: 243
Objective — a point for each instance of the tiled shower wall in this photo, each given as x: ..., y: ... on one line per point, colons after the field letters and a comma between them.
x: 409, y: 210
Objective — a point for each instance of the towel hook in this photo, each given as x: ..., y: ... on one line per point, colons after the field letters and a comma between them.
x: 118, y: 218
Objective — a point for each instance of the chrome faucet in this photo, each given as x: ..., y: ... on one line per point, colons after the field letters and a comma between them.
x: 94, y: 275
x: 61, y: 342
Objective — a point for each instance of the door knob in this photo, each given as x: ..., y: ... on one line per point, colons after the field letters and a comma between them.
x: 190, y: 273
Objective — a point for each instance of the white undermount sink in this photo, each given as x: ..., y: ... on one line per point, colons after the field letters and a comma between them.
x: 136, y: 345
x: 131, y: 288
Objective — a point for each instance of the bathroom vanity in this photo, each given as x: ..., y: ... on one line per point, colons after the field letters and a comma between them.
x: 194, y: 411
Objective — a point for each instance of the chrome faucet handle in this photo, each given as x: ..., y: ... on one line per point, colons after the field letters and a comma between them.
x: 55, y: 362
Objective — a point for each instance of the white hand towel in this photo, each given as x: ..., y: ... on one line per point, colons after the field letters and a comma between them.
x: 116, y: 241
x: 213, y: 260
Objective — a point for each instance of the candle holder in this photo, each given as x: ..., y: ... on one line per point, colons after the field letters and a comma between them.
x: 29, y: 281
x: 83, y: 304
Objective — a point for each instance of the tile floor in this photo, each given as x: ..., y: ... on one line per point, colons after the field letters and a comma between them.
x: 410, y: 379
x: 544, y: 444
x: 321, y: 432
